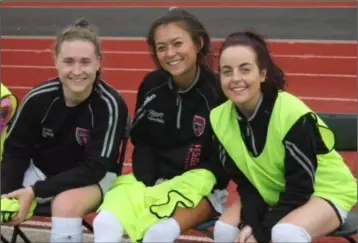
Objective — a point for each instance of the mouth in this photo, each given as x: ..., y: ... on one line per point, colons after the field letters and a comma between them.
x: 174, y: 62
x: 77, y: 80
x: 238, y: 90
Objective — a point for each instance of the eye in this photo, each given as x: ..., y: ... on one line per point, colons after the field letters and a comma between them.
x: 67, y: 61
x: 178, y: 43
x: 245, y: 70
x: 226, y: 72
x: 86, y: 61
x: 160, y: 48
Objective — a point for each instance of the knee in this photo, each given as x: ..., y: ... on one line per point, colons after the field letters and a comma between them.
x: 75, y: 203
x: 63, y: 206
x: 287, y: 232
x: 233, y: 214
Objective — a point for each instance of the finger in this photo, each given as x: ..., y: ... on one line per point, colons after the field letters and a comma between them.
x: 242, y: 238
x: 14, y: 194
x: 15, y: 221
x: 251, y: 239
x: 244, y: 234
x: 23, y: 211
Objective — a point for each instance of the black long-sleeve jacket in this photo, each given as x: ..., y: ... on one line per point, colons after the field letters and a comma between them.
x: 72, y: 146
x: 171, y: 131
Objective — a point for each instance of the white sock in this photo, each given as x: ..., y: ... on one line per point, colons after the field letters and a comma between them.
x: 286, y: 232
x: 107, y: 228
x: 224, y: 233
x: 66, y: 230
x: 166, y: 230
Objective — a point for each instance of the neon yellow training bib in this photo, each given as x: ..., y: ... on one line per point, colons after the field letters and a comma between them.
x: 333, y: 179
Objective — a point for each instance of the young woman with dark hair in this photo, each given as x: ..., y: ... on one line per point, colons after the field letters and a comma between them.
x: 175, y: 184
x: 293, y: 185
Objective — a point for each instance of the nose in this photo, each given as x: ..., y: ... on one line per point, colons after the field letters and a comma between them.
x: 77, y: 69
x: 236, y: 76
x: 170, y: 52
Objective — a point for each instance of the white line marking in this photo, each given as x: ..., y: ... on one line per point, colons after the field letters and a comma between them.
x: 45, y: 226
x: 304, y: 56
x: 131, y: 91
x: 149, y: 70
x: 141, y: 39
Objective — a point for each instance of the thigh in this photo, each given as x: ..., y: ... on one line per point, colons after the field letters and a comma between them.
x: 77, y: 202
x: 232, y: 214
x: 81, y: 201
x: 189, y: 218
x: 317, y: 216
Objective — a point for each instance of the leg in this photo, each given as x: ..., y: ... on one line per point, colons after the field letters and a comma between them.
x: 107, y: 227
x: 226, y: 228
x: 315, y: 219
x: 68, y: 211
x: 70, y: 207
x: 167, y: 230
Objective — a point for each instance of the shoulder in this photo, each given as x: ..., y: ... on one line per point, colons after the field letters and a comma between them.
x: 210, y: 85
x: 289, y: 108
x: 307, y: 123
x: 152, y: 81
x: 43, y: 92
x: 109, y: 97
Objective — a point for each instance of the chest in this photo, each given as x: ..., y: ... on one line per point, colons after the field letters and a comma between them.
x: 64, y: 126
x: 180, y: 116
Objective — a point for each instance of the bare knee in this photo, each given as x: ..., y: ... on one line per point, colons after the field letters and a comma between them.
x: 317, y: 217
x: 232, y: 214
x: 76, y: 202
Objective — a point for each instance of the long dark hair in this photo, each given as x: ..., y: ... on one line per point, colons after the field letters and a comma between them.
x: 275, y: 77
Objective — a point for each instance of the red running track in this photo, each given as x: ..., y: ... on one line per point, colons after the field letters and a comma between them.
x: 327, y: 84
x: 324, y: 74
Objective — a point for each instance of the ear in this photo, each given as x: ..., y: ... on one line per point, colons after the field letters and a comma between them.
x: 98, y: 64
x: 263, y: 75
x: 201, y: 44
x: 55, y: 60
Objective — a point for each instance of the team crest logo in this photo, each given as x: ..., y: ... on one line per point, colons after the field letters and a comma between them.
x: 199, y: 125
x: 82, y: 136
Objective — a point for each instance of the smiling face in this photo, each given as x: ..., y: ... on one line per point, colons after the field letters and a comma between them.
x: 240, y: 76
x: 175, y: 50
x: 77, y: 64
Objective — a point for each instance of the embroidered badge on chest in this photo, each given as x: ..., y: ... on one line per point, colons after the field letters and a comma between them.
x: 199, y: 123
x: 82, y: 136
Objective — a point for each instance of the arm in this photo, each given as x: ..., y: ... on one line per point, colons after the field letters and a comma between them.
x: 253, y: 206
x: 215, y: 163
x: 300, y: 167
x: 100, y: 155
x: 19, y: 145
x: 143, y: 159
